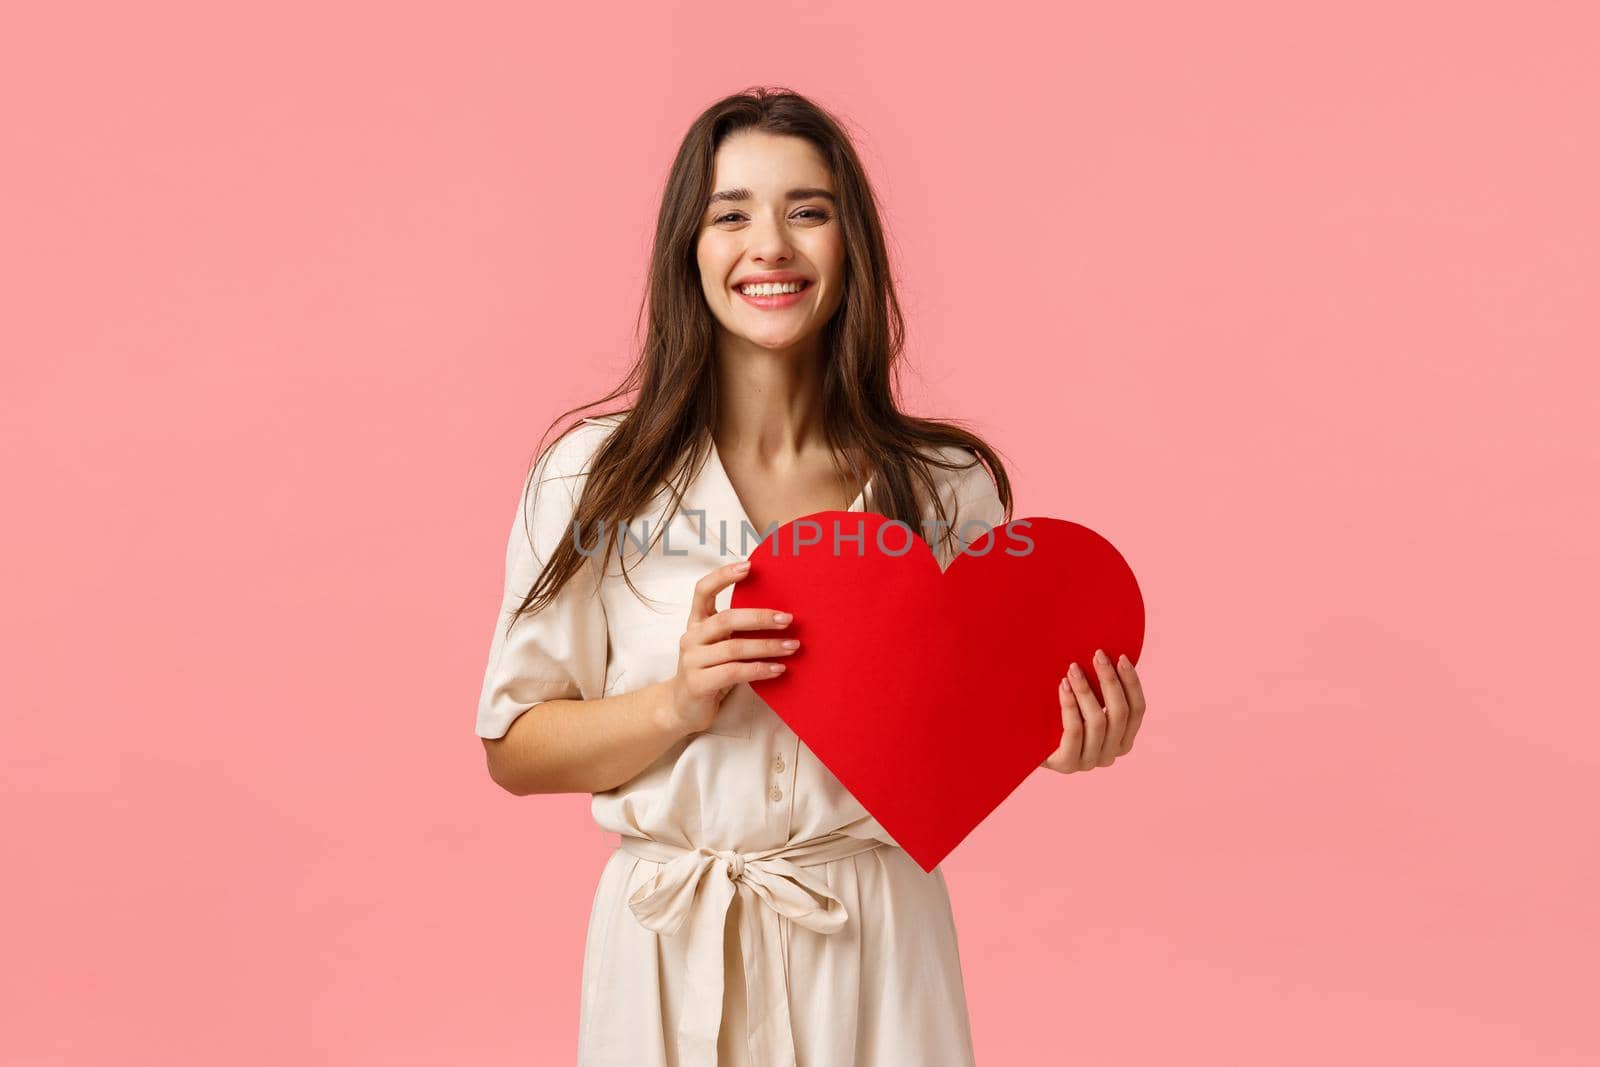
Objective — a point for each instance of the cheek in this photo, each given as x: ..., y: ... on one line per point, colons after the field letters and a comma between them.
x: 831, y: 255
x: 711, y: 288
x: 714, y: 252
x: 705, y: 256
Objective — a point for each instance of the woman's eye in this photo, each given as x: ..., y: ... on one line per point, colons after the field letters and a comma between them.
x: 816, y: 213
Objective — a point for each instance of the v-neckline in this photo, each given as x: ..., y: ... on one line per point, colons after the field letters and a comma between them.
x: 737, y: 505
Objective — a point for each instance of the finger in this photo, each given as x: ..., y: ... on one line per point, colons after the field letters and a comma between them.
x: 724, y: 623
x: 1136, y: 703
x: 1116, y: 702
x: 1094, y: 717
x: 731, y: 674
x: 702, y: 604
x: 743, y: 648
x: 1068, y: 753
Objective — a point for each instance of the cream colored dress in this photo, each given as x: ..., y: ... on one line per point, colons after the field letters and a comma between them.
x: 753, y: 913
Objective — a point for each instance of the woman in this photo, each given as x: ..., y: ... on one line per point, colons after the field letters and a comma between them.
x: 753, y: 913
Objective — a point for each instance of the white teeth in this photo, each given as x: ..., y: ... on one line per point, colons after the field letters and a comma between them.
x: 771, y: 289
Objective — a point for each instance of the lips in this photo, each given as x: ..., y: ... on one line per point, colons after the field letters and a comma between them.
x: 804, y: 283
x: 777, y: 301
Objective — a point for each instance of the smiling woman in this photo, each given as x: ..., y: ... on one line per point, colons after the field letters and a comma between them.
x: 754, y: 912
x: 777, y: 258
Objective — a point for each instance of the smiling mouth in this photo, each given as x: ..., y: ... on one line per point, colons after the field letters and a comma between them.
x: 768, y: 289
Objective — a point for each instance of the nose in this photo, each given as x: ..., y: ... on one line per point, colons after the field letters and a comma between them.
x: 769, y: 240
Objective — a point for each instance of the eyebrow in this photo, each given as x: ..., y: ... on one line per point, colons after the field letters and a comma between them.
x: 737, y: 195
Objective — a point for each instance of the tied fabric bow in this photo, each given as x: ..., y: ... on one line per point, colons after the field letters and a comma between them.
x: 697, y: 886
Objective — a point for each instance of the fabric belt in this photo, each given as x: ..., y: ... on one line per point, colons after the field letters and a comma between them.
x: 682, y: 891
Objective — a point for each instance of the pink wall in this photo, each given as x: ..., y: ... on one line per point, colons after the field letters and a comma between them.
x: 1293, y: 302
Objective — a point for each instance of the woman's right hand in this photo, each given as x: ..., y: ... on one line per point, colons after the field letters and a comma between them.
x: 711, y: 661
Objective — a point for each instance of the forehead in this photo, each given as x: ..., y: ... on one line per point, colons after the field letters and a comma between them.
x: 764, y: 161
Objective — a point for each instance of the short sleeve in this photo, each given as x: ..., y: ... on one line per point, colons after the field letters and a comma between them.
x: 971, y: 501
x: 559, y: 651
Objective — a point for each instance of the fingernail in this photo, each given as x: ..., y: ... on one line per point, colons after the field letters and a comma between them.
x: 781, y: 617
x: 1125, y: 661
x: 742, y: 565
x: 1101, y: 658
x: 1075, y: 670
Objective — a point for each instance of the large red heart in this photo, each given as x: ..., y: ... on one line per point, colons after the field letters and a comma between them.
x: 933, y: 696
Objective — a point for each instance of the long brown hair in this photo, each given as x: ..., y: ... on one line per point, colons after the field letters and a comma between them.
x: 667, y: 433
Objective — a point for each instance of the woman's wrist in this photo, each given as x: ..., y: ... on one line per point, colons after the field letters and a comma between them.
x: 663, y: 712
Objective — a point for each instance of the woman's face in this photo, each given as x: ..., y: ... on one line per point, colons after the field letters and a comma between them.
x: 757, y: 230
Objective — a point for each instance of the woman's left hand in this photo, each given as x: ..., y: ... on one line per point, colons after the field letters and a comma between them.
x: 1092, y: 736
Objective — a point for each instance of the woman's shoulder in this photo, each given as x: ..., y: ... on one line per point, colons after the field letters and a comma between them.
x: 959, y: 457
x: 958, y: 470
x: 966, y: 487
x: 568, y: 458
x: 577, y: 445
x: 611, y: 419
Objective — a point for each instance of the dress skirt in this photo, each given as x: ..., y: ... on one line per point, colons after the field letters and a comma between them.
x: 878, y: 985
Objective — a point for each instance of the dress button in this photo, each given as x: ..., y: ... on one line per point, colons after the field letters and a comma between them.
x: 777, y: 794
x: 777, y: 764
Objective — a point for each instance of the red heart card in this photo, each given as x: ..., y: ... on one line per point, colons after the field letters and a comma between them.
x: 932, y: 696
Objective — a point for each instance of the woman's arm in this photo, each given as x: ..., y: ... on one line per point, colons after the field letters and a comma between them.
x: 591, y: 746
x: 584, y: 746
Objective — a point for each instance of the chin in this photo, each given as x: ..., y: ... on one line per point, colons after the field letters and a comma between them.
x: 777, y: 344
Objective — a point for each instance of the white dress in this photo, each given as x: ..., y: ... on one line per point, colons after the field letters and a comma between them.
x: 753, y: 913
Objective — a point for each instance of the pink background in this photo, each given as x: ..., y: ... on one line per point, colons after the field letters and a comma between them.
x: 1294, y: 302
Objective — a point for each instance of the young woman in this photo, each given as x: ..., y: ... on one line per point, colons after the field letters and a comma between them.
x: 754, y: 912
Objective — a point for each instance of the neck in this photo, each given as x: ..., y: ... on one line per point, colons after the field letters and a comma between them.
x: 769, y: 405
